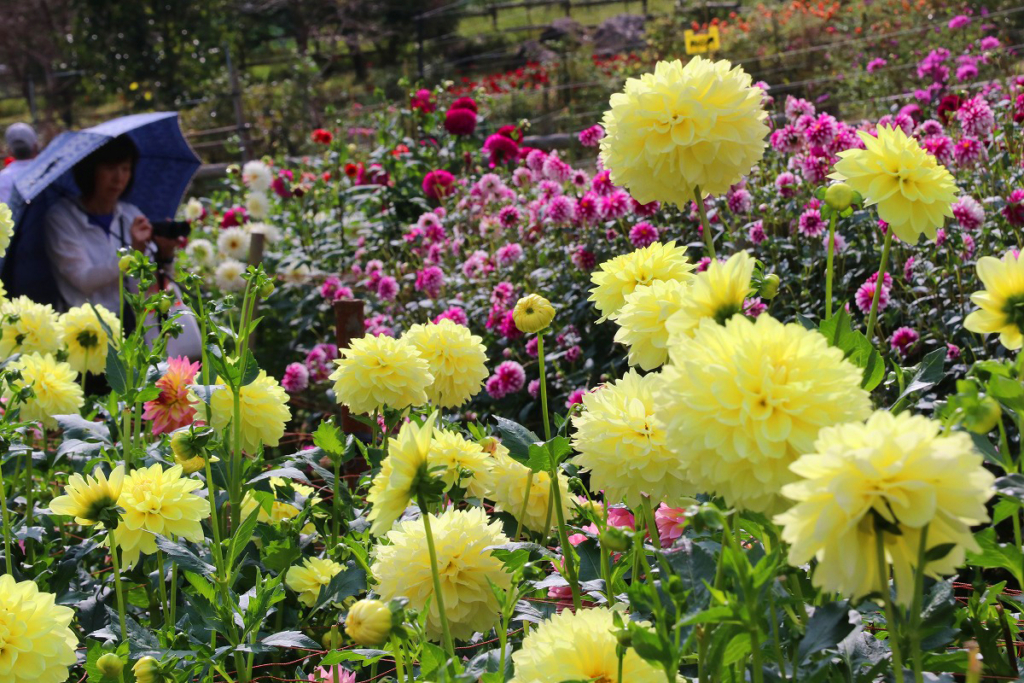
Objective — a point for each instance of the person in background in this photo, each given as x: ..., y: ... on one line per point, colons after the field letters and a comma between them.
x: 84, y: 234
x: 23, y: 145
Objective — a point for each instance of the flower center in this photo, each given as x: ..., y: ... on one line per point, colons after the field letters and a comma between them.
x: 725, y: 312
x: 1014, y: 310
x: 87, y: 339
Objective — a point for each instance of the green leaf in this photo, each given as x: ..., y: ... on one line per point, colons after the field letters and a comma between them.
x: 183, y: 557
x: 345, y: 584
x: 559, y: 447
x: 540, y: 458
x: 829, y: 625
x: 936, y: 553
x: 928, y: 373
x: 241, y: 538
x: 995, y: 555
x: 291, y: 639
x: 1011, y: 486
x: 649, y: 645
x: 116, y: 371
x: 516, y: 438
x: 329, y: 438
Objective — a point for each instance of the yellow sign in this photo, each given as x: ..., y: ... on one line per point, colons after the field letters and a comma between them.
x: 699, y: 43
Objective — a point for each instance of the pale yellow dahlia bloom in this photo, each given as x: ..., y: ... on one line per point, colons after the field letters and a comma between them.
x: 1001, y: 303
x: 508, y: 491
x: 88, y: 498
x: 28, y: 327
x: 622, y: 444
x: 36, y: 643
x: 617, y: 278
x: 533, y: 313
x: 579, y: 647
x: 465, y: 463
x: 717, y: 293
x: 467, y: 570
x: 913, y: 192
x: 681, y: 127
x: 6, y: 228
x: 374, y: 372
x: 455, y: 357
x: 901, y: 469
x: 742, y: 401
x: 642, y: 321
x: 157, y: 501
x: 56, y: 388
x: 405, y: 466
x: 85, y: 338
x: 263, y: 411
x: 308, y: 578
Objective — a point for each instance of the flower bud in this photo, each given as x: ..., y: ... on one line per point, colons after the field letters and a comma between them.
x: 124, y: 263
x: 147, y: 670
x: 770, y: 286
x: 984, y: 418
x: 369, y: 623
x: 533, y: 313
x: 267, y: 289
x: 332, y: 640
x: 165, y: 305
x: 839, y: 196
x: 110, y: 665
x: 616, y: 539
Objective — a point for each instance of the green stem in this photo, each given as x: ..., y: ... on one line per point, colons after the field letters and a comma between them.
x: 915, y: 609
x: 174, y: 596
x: 6, y: 514
x: 543, y: 386
x: 563, y: 538
x: 652, y: 526
x: 890, y: 611
x: 336, y: 502
x: 163, y: 586
x: 438, y: 596
x: 396, y: 646
x: 709, y: 238
x: 755, y: 651
x: 879, y: 283
x: 828, y: 267
x: 117, y: 586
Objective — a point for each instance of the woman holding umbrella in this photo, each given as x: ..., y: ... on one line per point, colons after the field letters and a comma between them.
x: 84, y: 234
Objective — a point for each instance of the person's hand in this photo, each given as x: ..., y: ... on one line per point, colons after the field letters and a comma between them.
x: 142, y: 232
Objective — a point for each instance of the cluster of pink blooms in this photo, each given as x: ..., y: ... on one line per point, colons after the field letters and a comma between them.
x: 508, y: 378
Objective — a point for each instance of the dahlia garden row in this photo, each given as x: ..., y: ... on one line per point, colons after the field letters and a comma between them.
x: 736, y: 398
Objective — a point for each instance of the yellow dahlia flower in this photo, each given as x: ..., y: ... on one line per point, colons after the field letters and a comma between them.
x: 717, y: 293
x: 6, y: 228
x: 579, y: 647
x: 533, y: 313
x: 28, y: 327
x: 622, y: 443
x: 743, y: 401
x: 308, y: 578
x: 642, y: 321
x: 157, y: 501
x: 467, y: 569
x: 56, y: 390
x: 263, y: 409
x: 368, y: 623
x: 899, y: 468
x: 701, y: 124
x: 394, y: 486
x: 36, y: 645
x: 913, y: 192
x: 508, y: 490
x: 618, y: 277
x: 86, y: 339
x: 465, y: 463
x: 455, y: 357
x: 88, y: 498
x: 1001, y: 304
x: 374, y: 372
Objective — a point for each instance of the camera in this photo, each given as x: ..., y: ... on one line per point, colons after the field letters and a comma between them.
x: 171, y: 230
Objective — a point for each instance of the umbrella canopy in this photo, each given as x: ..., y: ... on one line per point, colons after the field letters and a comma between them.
x: 166, y: 162
x: 165, y: 168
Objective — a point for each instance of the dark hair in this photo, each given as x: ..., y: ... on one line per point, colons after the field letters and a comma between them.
x: 21, y: 151
x: 116, y: 151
